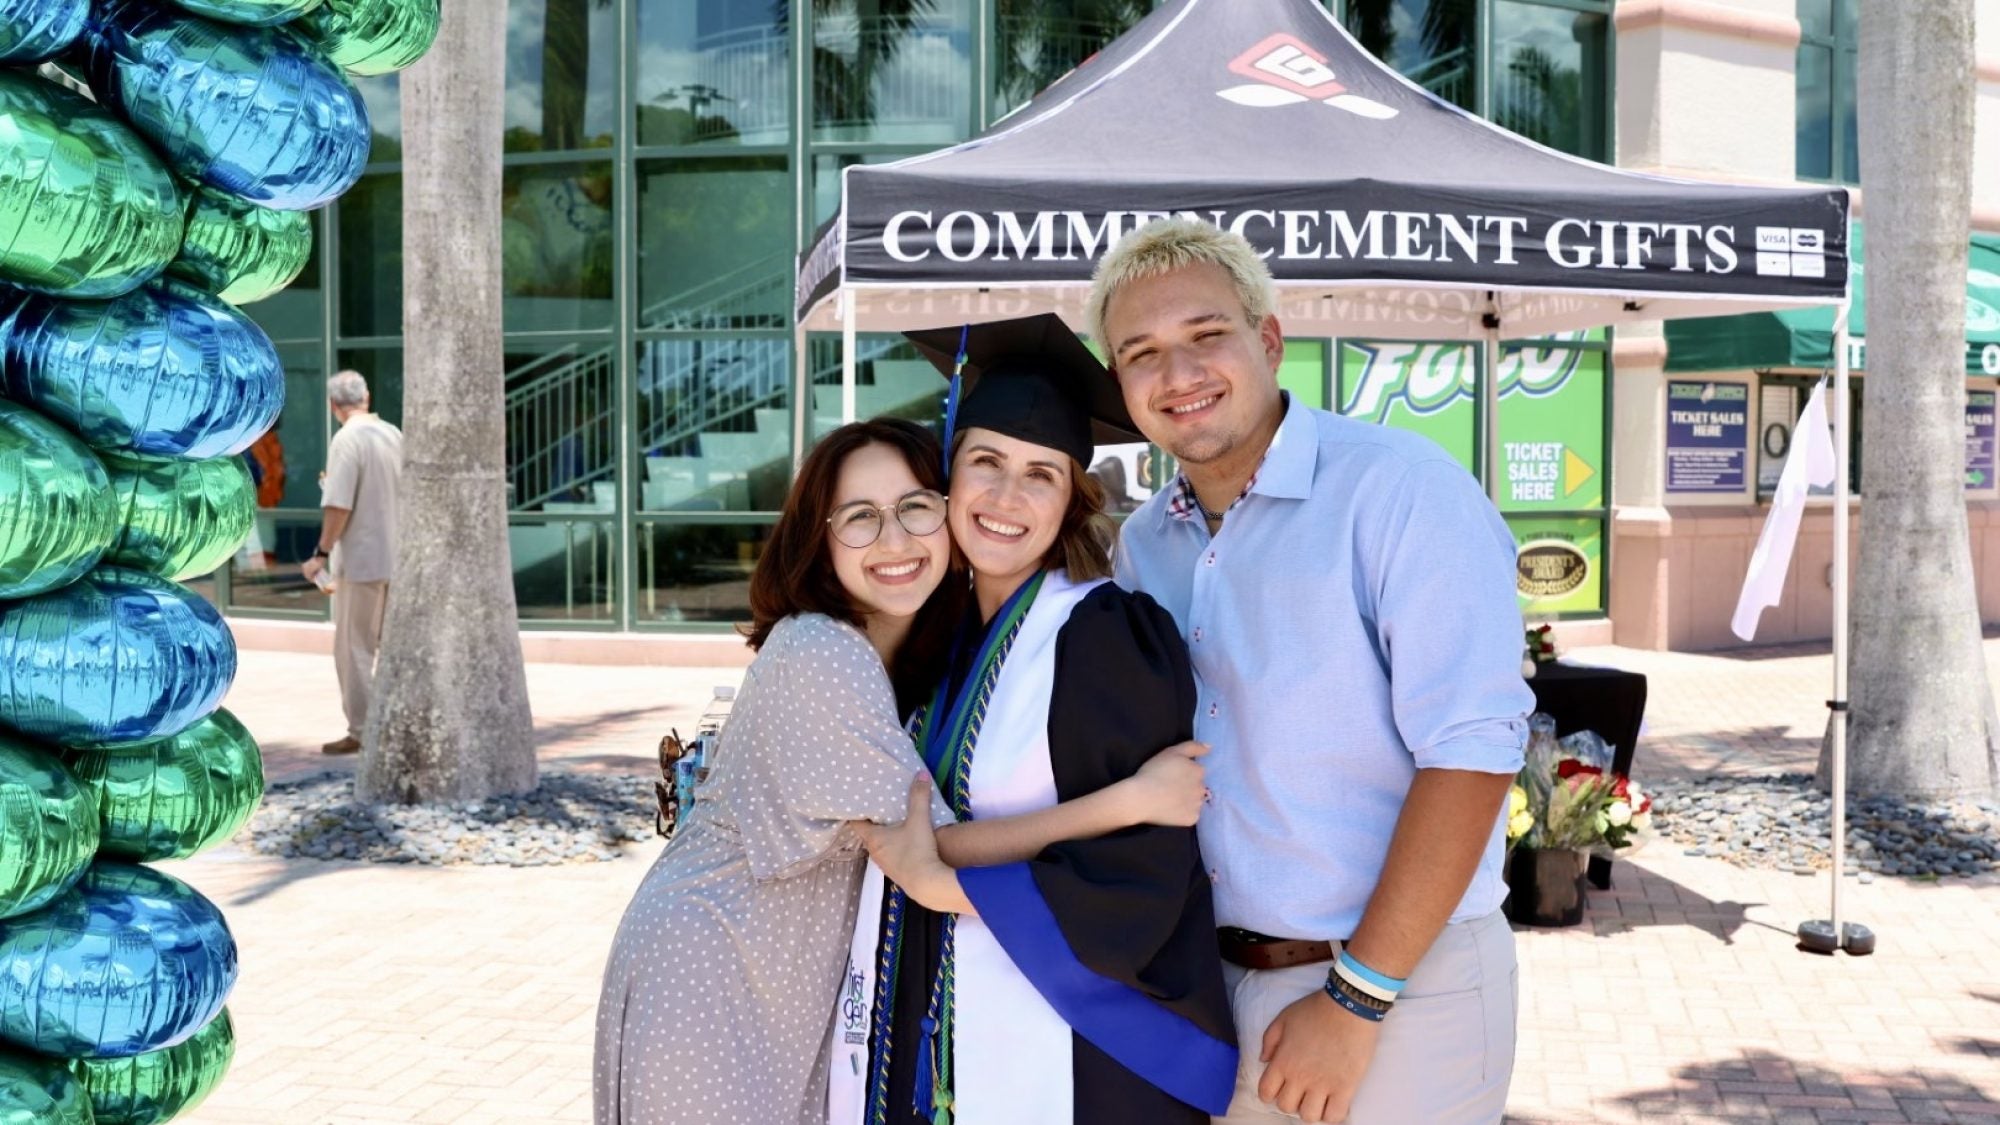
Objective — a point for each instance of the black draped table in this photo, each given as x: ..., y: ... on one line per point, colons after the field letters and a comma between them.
x: 1610, y: 701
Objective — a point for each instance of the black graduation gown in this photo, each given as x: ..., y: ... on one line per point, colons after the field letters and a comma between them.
x: 1133, y: 907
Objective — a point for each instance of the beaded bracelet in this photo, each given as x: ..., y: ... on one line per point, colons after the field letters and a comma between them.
x: 1352, y: 1001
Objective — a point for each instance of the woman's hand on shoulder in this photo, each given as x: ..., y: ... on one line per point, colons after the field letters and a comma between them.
x: 907, y: 853
x: 1170, y: 789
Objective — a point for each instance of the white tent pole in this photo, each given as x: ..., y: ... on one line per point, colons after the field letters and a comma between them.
x: 846, y: 356
x: 802, y: 394
x: 1838, y: 732
x: 1489, y: 398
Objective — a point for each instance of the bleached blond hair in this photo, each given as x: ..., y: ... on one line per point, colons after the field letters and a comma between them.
x: 1170, y: 244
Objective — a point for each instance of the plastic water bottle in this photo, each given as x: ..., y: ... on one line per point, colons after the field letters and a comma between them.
x: 693, y: 767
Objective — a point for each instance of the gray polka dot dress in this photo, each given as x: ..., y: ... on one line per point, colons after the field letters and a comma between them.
x: 720, y: 991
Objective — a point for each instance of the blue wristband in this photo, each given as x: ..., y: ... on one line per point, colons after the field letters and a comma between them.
x: 1390, y: 984
x: 1349, y: 1003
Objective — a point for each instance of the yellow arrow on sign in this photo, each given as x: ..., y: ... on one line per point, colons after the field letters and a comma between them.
x: 1576, y: 472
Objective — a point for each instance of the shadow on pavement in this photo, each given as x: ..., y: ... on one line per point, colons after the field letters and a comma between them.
x: 1640, y: 898
x: 1763, y: 1085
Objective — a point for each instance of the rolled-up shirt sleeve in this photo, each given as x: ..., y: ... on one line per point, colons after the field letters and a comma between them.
x: 1449, y: 624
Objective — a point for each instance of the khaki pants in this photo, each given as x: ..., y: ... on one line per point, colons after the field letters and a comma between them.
x: 1446, y: 1053
x: 357, y: 634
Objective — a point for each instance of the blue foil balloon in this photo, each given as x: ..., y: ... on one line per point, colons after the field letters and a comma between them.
x: 131, y: 960
x: 247, y: 110
x: 116, y: 658
x: 168, y: 370
x: 33, y: 31
x: 37, y: 1091
x: 58, y: 514
x: 262, y: 13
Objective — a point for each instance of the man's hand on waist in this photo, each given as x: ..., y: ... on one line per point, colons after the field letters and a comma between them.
x: 1315, y: 1055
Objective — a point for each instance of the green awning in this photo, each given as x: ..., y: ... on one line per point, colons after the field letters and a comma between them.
x: 1803, y: 338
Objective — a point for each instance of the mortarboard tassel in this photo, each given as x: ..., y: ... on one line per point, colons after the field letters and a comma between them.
x: 951, y: 397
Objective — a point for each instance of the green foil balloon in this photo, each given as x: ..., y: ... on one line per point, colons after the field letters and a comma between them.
x: 259, y: 12
x: 239, y: 251
x: 178, y: 519
x: 371, y: 36
x: 48, y: 828
x: 56, y: 511
x: 86, y: 208
x: 158, y: 1085
x: 39, y: 1091
x: 171, y: 798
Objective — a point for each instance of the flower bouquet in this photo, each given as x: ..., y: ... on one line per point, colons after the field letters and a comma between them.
x: 1538, y: 647
x: 1570, y: 804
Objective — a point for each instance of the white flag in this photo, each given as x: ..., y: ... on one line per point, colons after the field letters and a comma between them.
x: 1809, y: 465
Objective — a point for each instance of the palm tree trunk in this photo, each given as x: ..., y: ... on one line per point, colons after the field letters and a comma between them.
x: 1922, y: 709
x: 450, y: 719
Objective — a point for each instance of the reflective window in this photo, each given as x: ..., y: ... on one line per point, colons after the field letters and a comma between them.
x: 264, y: 575
x: 892, y: 70
x: 564, y: 570
x: 555, y: 236
x: 1040, y: 41
x: 714, y: 424
x: 697, y: 572
x: 384, y: 97
x: 297, y: 311
x: 713, y: 71
x: 562, y: 74
x: 562, y: 428
x: 715, y: 243
x: 371, y: 256
x: 286, y: 461
x: 1826, y: 144
x: 1431, y: 42
x: 1548, y: 76
x: 890, y: 378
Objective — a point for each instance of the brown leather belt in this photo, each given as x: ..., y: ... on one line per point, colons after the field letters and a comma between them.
x: 1258, y: 951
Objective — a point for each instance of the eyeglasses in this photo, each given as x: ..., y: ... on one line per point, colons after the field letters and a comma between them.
x: 859, y: 524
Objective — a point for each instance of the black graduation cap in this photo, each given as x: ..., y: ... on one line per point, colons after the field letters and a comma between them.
x: 1031, y: 379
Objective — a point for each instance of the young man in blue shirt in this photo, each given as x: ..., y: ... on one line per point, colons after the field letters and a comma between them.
x: 1346, y: 591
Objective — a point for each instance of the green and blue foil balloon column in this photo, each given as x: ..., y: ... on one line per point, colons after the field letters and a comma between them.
x: 142, y: 217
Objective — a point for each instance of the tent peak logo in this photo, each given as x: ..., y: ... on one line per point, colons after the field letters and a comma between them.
x: 1286, y: 71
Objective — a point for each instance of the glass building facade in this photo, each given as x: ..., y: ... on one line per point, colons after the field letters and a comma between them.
x: 665, y: 160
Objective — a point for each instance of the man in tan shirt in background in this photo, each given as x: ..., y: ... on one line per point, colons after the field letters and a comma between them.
x: 357, y: 542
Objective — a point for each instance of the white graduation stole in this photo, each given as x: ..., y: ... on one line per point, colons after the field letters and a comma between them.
x: 1012, y: 1055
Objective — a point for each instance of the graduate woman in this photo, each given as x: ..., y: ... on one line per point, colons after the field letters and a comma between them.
x: 716, y: 998
x: 1082, y: 986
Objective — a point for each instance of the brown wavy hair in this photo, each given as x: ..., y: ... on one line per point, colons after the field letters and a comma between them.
x: 795, y: 574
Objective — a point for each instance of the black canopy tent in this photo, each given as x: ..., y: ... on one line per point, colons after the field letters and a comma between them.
x: 1381, y: 210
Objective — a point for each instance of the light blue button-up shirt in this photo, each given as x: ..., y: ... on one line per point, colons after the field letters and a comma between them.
x: 1353, y: 622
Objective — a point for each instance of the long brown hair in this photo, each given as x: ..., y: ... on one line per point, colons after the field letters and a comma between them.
x: 795, y: 574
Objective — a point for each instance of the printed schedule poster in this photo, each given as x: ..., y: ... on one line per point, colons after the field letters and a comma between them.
x: 1979, y: 439
x: 1708, y: 433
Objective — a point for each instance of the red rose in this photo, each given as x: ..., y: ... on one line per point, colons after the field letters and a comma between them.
x: 1621, y: 788
x: 1574, y: 767
x: 1545, y: 629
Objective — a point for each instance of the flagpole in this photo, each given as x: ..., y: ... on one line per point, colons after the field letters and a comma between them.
x: 1836, y: 933
x: 1838, y: 705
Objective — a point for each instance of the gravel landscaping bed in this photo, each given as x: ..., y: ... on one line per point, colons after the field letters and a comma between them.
x: 1783, y: 822
x: 571, y: 818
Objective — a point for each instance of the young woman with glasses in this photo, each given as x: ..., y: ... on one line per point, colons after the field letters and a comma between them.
x: 716, y: 998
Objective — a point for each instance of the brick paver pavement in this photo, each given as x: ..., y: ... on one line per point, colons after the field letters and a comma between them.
x: 379, y: 994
